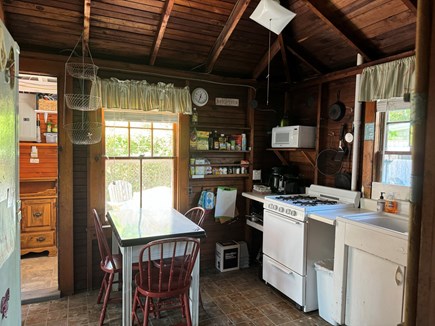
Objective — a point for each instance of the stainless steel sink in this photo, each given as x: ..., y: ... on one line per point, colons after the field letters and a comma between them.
x: 382, y: 220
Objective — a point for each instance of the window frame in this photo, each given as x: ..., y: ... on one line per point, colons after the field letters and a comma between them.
x: 173, y: 158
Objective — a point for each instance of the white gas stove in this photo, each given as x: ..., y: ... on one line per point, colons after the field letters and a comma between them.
x: 317, y: 198
x: 292, y: 243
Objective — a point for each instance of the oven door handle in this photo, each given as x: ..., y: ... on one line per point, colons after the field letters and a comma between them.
x: 281, y: 268
x: 286, y: 219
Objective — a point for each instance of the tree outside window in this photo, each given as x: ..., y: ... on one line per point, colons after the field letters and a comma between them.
x: 140, y: 154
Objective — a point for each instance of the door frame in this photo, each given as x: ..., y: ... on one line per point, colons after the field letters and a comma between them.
x: 35, y: 64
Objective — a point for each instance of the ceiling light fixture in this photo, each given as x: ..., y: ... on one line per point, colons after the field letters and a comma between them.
x: 273, y: 16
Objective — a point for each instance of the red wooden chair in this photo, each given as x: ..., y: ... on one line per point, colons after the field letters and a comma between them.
x: 196, y: 215
x: 164, y: 285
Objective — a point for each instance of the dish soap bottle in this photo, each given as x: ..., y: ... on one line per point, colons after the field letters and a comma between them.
x: 391, y: 204
x: 381, y: 203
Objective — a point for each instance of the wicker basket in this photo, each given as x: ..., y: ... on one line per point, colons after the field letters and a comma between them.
x: 82, y: 70
x: 83, y: 102
x: 47, y: 105
x: 84, y: 133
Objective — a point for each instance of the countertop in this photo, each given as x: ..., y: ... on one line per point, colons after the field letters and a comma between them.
x: 329, y: 216
x: 254, y: 195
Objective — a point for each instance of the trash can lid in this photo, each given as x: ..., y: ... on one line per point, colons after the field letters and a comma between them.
x: 326, y: 265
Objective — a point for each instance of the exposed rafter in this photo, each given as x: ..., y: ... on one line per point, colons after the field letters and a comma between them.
x: 411, y: 4
x: 317, y: 10
x: 284, y: 58
x: 274, y: 48
x: 161, y: 30
x: 306, y: 59
x: 86, y: 23
x: 226, y: 32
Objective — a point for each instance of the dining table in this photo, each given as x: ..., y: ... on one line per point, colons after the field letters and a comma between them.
x: 135, y: 227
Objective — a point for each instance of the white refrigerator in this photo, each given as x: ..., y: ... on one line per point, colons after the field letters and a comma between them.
x: 10, y: 214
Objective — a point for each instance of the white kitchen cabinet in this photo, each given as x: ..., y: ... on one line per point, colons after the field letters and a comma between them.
x: 369, y: 274
x: 374, y: 291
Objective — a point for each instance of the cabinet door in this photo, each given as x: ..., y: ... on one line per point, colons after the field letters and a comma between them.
x: 375, y: 290
x: 37, y: 215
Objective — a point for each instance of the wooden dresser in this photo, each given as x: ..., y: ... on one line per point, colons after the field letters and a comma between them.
x: 38, y: 194
x: 38, y: 223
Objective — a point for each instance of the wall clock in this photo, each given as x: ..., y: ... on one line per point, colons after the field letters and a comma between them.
x: 199, y: 96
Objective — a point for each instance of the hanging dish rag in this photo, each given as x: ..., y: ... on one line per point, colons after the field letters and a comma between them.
x: 225, y: 204
x: 206, y: 200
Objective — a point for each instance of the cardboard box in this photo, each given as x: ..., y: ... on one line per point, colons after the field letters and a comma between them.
x: 227, y: 256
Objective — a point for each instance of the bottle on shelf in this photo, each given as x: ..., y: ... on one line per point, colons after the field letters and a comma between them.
x: 54, y: 128
x: 193, y: 139
x: 194, y: 117
x: 222, y: 142
x: 243, y: 142
x: 210, y: 141
x: 48, y: 126
x: 215, y: 140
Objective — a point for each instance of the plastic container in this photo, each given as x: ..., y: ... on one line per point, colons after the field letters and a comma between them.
x: 325, y: 289
x: 50, y: 137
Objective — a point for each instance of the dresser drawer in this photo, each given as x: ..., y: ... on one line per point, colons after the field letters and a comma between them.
x: 38, y: 239
x: 38, y: 215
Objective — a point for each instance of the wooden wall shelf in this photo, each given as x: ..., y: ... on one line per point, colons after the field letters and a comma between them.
x: 308, y: 153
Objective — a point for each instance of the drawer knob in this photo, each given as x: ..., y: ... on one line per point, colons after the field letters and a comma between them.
x: 40, y: 239
x: 37, y: 214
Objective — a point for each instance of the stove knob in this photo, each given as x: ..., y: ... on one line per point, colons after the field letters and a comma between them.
x: 287, y: 211
x: 281, y: 209
x: 275, y: 207
x: 293, y: 213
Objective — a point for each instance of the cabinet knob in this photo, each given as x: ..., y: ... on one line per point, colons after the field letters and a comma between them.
x: 40, y: 239
x: 399, y: 276
x: 37, y: 214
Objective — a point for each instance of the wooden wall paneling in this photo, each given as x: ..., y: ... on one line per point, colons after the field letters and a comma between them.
x: 55, y: 66
x: 367, y: 154
x: 183, y: 136
x: 96, y: 200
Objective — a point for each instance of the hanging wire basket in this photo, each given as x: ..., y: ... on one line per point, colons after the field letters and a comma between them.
x: 84, y: 133
x: 83, y: 102
x: 82, y: 70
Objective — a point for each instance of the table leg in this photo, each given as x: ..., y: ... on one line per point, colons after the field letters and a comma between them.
x: 127, y: 257
x: 194, y: 293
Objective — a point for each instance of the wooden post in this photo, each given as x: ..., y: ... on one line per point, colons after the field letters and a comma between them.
x: 418, y: 279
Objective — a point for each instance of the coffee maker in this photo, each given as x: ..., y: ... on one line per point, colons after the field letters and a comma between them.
x: 284, y: 180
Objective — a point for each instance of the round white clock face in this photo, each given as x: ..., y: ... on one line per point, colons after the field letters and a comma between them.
x: 199, y: 96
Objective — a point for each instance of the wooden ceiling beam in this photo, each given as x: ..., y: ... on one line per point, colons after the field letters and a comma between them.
x: 274, y: 48
x: 412, y: 5
x: 226, y: 32
x: 305, y: 58
x: 86, y: 24
x: 284, y: 58
x: 161, y: 30
x: 314, y: 6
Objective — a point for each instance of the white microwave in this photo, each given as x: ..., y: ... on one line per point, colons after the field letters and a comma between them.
x: 294, y: 136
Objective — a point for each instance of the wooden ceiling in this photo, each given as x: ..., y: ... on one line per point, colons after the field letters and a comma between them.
x: 217, y: 36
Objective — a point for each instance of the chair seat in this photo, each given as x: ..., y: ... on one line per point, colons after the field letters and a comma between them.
x: 108, y: 267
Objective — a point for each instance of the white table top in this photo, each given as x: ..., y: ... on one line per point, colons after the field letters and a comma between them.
x: 257, y: 196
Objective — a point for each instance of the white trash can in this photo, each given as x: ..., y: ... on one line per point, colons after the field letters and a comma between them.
x: 325, y: 289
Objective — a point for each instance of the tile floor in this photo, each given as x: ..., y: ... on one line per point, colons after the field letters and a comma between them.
x: 230, y: 298
x: 38, y: 277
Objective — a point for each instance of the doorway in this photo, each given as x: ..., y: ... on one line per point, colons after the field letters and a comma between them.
x: 38, y: 175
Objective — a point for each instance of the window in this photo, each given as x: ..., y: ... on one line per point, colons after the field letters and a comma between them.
x: 396, y: 150
x: 139, y: 167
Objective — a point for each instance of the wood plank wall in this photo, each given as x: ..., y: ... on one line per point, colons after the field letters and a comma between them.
x: 222, y: 118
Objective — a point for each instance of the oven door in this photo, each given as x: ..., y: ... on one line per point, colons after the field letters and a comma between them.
x: 284, y: 240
